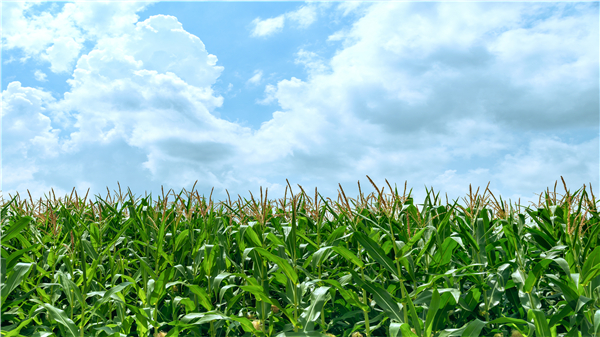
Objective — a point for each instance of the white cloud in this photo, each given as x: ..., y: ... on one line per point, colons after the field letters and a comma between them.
x: 59, y: 38
x: 348, y: 7
x: 159, y: 76
x: 402, y: 99
x: 270, y: 91
x: 313, y: 63
x: 544, y: 160
x: 140, y: 103
x: 40, y: 76
x: 62, y: 53
x: 406, y: 99
x: 26, y: 126
x: 255, y: 79
x: 303, y: 16
x: 101, y: 19
x: 27, y: 135
x: 337, y: 36
x: 263, y: 28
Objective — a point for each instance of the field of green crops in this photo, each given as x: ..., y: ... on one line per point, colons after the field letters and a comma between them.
x: 302, y: 265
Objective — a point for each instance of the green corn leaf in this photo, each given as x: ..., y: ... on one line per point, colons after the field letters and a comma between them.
x: 509, y: 320
x: 376, y: 253
x: 574, y: 332
x: 252, y: 236
x: 349, y: 295
x: 160, y: 285
x: 208, y: 317
x: 72, y: 291
x: 540, y: 322
x: 348, y: 255
x: 300, y: 234
x: 316, y: 259
x: 564, y: 312
x: 60, y: 316
x: 473, y: 328
x: 19, y: 271
x: 14, y: 257
x: 394, y: 330
x: 444, y: 255
x: 181, y: 239
x: 203, y: 318
x: 539, y: 268
x: 406, y: 331
x: 581, y: 302
x: 16, y: 331
x: 186, y: 302
x: 591, y: 267
x: 260, y: 295
x: 283, y: 264
x: 244, y: 322
x: 381, y: 296
x: 413, y: 312
x: 597, y: 322
x: 275, y: 240
x: 336, y: 234
x: 89, y: 249
x: 569, y: 290
x: 210, y: 252
x: 434, y: 305
x: 106, y: 295
x: 414, y: 239
x: 202, y: 296
x: 15, y: 229
x: 318, y: 298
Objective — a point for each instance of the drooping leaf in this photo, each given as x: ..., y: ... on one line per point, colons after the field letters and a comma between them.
x: 318, y: 298
x: 381, y: 296
x: 15, y: 229
x: 376, y: 253
x: 62, y: 318
x: 19, y: 271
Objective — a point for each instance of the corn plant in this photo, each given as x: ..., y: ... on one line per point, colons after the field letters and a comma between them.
x: 301, y: 265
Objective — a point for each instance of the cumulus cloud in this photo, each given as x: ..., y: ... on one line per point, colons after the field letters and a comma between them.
x: 402, y: 99
x: 263, y: 28
x: 62, y: 53
x: 27, y: 135
x: 58, y: 39
x: 406, y: 99
x: 140, y: 103
x: 146, y: 87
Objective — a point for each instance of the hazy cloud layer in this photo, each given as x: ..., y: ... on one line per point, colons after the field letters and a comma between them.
x: 442, y: 94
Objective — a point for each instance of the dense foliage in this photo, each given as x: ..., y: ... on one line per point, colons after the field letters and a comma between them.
x: 300, y: 266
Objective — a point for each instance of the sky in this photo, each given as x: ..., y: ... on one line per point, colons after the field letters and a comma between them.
x: 243, y: 95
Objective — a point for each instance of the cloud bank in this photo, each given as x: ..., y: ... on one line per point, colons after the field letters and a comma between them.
x: 442, y: 94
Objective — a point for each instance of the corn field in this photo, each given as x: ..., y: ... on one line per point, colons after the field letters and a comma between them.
x: 302, y: 265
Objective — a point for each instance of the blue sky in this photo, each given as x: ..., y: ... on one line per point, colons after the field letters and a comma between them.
x: 239, y: 95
